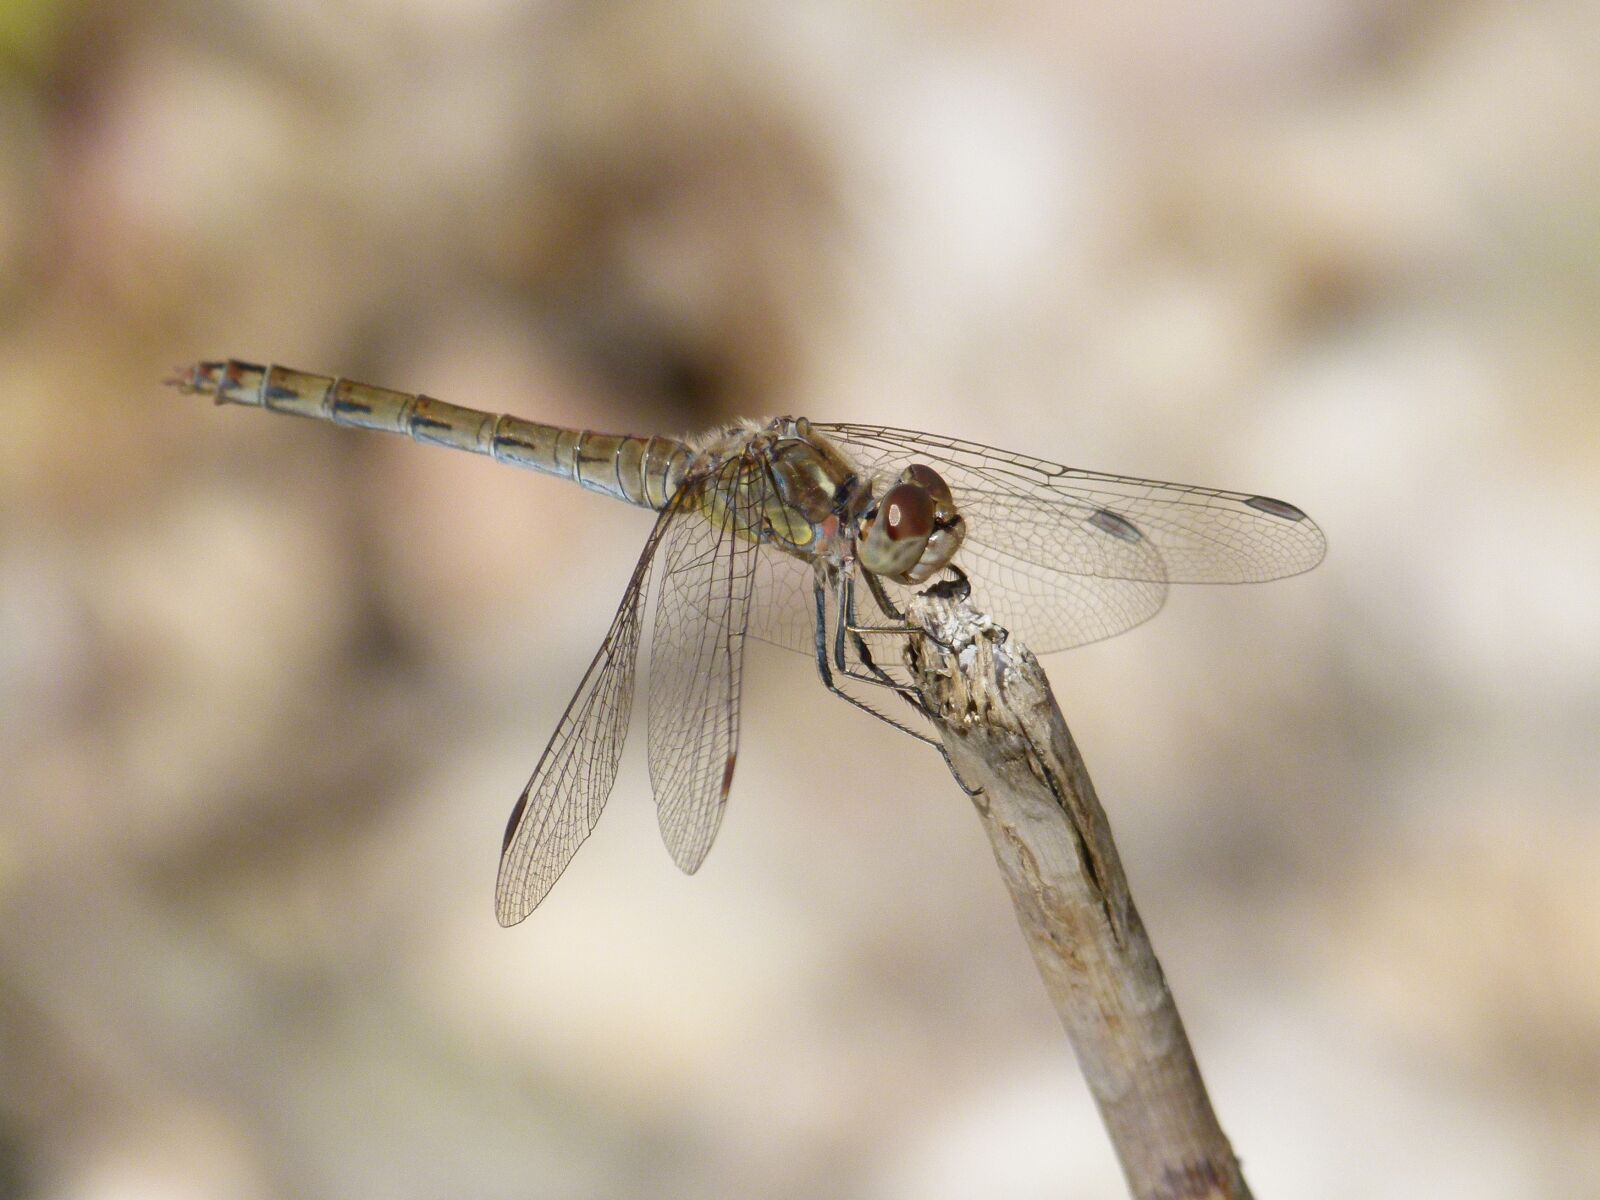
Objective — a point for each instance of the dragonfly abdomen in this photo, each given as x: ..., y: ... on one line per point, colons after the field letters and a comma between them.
x: 640, y: 470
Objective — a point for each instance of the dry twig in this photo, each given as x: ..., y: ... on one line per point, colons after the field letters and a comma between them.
x: 1000, y: 725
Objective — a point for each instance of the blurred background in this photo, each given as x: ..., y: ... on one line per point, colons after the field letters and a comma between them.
x: 268, y: 689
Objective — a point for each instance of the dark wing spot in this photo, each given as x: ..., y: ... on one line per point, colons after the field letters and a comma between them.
x: 1117, y: 526
x: 516, y: 818
x: 1275, y: 508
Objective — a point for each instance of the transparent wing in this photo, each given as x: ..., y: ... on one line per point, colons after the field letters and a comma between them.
x: 696, y: 660
x: 559, y: 807
x: 1070, y: 556
x: 783, y: 610
x: 1050, y: 610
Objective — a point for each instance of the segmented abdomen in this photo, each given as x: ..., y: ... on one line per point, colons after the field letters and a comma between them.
x: 641, y: 470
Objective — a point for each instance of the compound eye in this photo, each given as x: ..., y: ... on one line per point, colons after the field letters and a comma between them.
x: 906, y: 511
x: 897, y: 531
x: 931, y: 482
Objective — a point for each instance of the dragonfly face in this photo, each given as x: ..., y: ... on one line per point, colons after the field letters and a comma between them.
x: 914, y: 530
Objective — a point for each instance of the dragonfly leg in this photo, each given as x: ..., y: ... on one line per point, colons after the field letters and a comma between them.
x: 875, y: 586
x: 825, y: 669
x: 879, y: 676
x: 873, y: 673
x: 909, y: 694
x: 851, y: 624
x: 958, y: 586
x: 912, y: 697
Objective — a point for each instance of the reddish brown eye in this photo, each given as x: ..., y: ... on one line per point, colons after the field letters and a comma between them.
x: 906, y: 511
x: 930, y: 480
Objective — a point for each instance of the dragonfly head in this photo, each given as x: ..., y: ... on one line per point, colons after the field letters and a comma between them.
x: 913, y: 530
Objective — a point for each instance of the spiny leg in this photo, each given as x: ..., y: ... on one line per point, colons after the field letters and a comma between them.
x: 874, y: 674
x: 909, y: 694
x: 914, y: 698
x: 958, y: 585
x: 828, y: 681
x: 851, y: 623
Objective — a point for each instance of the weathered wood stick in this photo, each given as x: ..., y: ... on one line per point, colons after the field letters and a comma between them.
x: 999, y: 722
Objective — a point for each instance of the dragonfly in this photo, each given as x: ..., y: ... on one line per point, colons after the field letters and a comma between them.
x: 811, y: 536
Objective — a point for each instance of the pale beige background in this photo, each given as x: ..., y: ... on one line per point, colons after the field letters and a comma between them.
x: 268, y: 689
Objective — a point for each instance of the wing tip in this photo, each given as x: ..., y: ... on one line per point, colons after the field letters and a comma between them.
x: 1317, y: 545
x: 510, y: 917
x: 512, y: 905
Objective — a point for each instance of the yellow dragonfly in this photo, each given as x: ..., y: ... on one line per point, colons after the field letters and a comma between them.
x: 810, y: 536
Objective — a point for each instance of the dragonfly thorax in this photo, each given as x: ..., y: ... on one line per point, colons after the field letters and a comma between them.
x: 786, y: 484
x: 906, y: 528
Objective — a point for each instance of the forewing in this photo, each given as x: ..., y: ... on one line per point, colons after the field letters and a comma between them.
x: 559, y: 807
x: 1050, y: 609
x: 696, y: 661
x: 1071, y: 556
